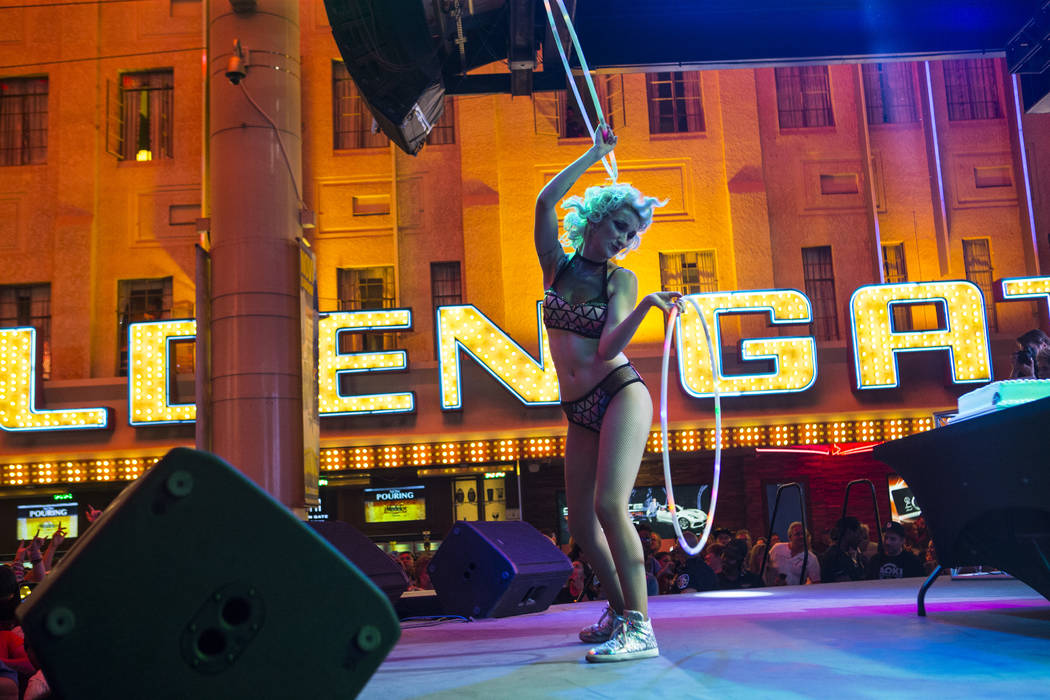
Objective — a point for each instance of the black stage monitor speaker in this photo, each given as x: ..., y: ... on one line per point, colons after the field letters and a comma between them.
x: 496, y: 569
x: 984, y: 489
x: 405, y: 54
x: 366, y: 556
x: 194, y: 583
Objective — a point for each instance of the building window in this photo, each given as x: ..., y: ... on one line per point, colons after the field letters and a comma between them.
x: 446, y: 286
x: 977, y: 259
x: 29, y: 305
x: 803, y: 97
x: 23, y: 121
x: 146, y: 108
x: 557, y: 114
x: 363, y: 288
x: 889, y: 91
x: 139, y: 300
x: 444, y: 131
x: 819, y: 274
x: 570, y: 123
x: 895, y: 270
x: 446, y: 283
x: 692, y: 272
x: 971, y: 89
x: 675, y: 104
x: 351, y: 120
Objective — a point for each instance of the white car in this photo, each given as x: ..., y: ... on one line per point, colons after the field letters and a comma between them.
x: 688, y: 518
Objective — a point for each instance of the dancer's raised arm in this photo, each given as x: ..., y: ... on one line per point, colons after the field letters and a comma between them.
x: 548, y: 249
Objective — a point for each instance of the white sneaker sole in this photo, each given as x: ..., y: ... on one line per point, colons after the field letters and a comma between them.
x: 597, y: 639
x: 629, y: 656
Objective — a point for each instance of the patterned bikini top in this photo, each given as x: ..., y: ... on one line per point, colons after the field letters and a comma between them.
x: 585, y: 318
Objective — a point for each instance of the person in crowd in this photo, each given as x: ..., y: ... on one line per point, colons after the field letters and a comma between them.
x: 550, y: 535
x: 654, y: 546
x: 692, y: 573
x: 713, y: 557
x: 408, y: 564
x: 651, y: 543
x: 656, y: 543
x: 866, y: 548
x: 665, y: 574
x: 822, y: 542
x: 92, y: 514
x: 734, y: 574
x: 591, y: 588
x: 590, y: 311
x: 30, y: 552
x: 745, y: 535
x: 422, y: 573
x: 1032, y: 359
x: 755, y: 556
x: 930, y: 559
x: 15, y: 666
x: 57, y: 538
x: 786, y: 558
x: 721, y: 536
x: 895, y: 560
x: 919, y: 536
x: 573, y: 589
x: 842, y: 561
x: 37, y: 687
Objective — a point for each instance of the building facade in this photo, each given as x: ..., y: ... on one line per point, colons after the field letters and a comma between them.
x: 820, y: 179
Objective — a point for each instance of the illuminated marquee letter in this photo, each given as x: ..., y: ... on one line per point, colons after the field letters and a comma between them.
x: 149, y: 353
x: 875, y: 343
x: 794, y: 358
x: 465, y: 328
x: 332, y: 364
x: 1037, y: 288
x: 18, y: 390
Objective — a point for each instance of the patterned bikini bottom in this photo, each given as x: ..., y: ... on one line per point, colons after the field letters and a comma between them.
x: 589, y: 411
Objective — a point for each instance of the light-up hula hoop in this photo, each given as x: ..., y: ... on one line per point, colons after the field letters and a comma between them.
x: 663, y: 430
x: 609, y: 161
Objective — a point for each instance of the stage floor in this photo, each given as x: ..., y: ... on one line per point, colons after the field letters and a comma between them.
x: 982, y: 638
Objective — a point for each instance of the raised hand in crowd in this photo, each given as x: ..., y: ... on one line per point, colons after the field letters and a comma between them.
x: 56, y: 540
x: 36, y: 558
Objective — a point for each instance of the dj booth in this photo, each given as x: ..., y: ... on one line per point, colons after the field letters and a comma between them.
x: 983, y: 481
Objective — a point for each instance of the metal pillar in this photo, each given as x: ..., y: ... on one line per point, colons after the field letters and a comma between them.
x: 253, y: 192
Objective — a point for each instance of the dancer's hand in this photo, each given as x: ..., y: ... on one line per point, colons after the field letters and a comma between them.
x: 665, y: 301
x: 604, y: 141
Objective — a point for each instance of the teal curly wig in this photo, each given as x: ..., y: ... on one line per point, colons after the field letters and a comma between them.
x: 599, y: 201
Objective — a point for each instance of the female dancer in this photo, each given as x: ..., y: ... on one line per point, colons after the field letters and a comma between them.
x: 589, y: 309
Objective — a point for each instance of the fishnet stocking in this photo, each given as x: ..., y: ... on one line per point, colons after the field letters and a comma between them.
x: 600, y: 471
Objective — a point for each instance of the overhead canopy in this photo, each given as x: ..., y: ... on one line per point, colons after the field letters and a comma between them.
x: 628, y: 35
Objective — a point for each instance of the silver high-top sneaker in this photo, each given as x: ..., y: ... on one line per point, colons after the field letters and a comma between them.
x: 601, y: 630
x: 633, y: 638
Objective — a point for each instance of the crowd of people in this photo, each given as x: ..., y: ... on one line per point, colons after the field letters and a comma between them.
x: 732, y: 560
x: 20, y: 674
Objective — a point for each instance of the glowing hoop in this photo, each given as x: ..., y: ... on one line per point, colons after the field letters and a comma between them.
x: 663, y: 431
x: 608, y: 161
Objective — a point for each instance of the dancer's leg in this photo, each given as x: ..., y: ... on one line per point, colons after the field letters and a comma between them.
x: 620, y: 447
x: 581, y: 453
